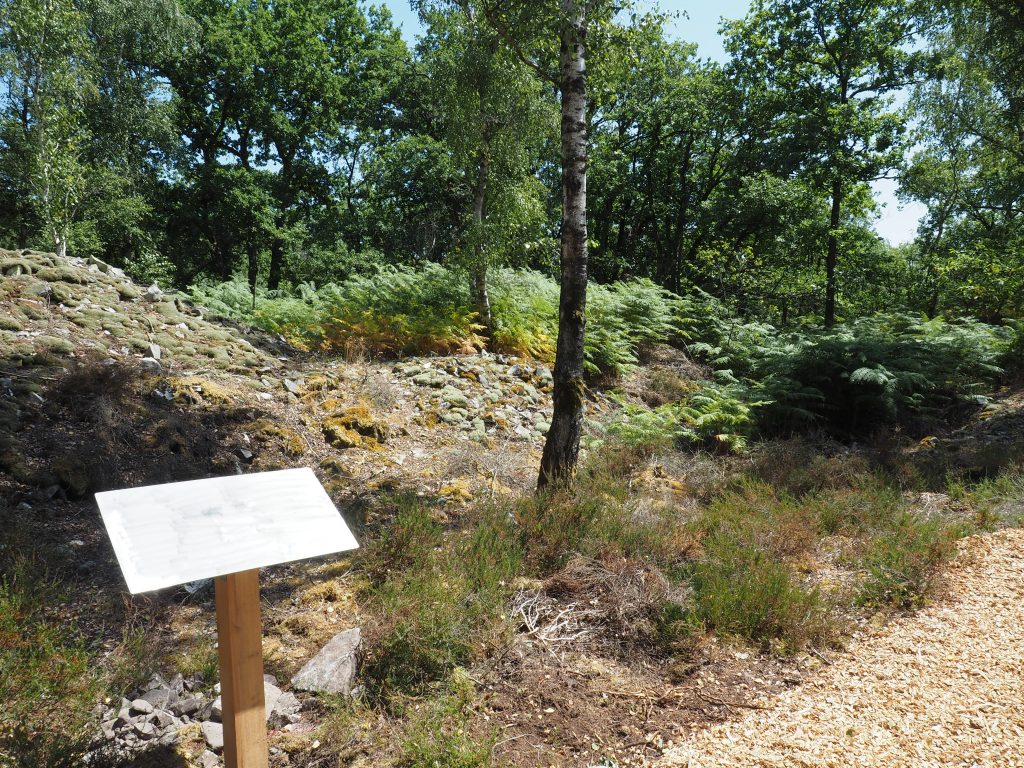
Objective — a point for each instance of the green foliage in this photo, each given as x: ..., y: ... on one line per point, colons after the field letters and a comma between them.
x: 440, y: 602
x: 713, y: 416
x: 901, y: 562
x: 440, y: 736
x: 740, y: 590
x: 884, y: 369
x: 402, y: 310
x: 47, y: 679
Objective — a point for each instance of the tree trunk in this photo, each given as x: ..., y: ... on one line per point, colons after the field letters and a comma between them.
x: 481, y: 299
x: 254, y: 268
x: 562, y: 447
x: 832, y: 256
x: 276, y: 262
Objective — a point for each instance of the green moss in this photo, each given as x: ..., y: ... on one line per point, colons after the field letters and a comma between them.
x: 127, y: 291
x: 16, y: 266
x: 169, y: 311
x: 289, y: 440
x: 62, y: 294
x: 32, y: 310
x: 138, y: 344
x: 84, y: 320
x: 9, y: 324
x: 199, y: 391
x: 64, y: 275
x: 55, y: 344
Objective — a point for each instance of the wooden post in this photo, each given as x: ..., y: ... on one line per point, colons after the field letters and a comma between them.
x: 240, y: 641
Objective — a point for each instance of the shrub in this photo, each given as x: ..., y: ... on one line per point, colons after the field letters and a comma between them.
x: 400, y: 310
x: 901, y: 562
x: 404, y: 310
x: 439, y: 599
x: 877, y: 370
x: 885, y: 369
x: 739, y: 589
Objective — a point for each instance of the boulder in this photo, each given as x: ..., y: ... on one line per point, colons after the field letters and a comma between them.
x: 333, y: 669
x: 214, y: 735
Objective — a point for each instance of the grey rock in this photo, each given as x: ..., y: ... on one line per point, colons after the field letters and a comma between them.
x: 153, y: 293
x: 177, y: 684
x: 291, y: 386
x: 196, y: 587
x: 150, y: 365
x: 168, y: 739
x: 188, y: 705
x: 156, y: 681
x: 214, y: 735
x: 209, y: 760
x: 195, y: 680
x: 287, y: 704
x: 155, y: 351
x: 107, y: 727
x: 161, y: 719
x: 160, y: 698
x: 333, y: 669
x: 144, y: 729
x: 271, y: 696
x: 142, y: 706
x: 244, y: 454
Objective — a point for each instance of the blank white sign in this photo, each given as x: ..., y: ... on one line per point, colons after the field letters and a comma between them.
x: 179, y: 532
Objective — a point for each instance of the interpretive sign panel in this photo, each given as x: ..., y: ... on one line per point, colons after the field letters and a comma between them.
x: 226, y: 528
x: 179, y: 532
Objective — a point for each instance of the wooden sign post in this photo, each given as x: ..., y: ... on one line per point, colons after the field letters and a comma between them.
x: 226, y: 529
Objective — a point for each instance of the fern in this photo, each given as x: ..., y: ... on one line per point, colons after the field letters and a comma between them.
x: 715, y: 417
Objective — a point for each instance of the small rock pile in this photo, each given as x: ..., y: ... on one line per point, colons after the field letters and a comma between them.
x: 158, y: 711
x: 482, y: 395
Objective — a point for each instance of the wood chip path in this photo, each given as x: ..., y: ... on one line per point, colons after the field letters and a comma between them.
x: 942, y: 687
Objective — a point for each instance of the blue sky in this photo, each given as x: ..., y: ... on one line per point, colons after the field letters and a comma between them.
x: 697, y: 21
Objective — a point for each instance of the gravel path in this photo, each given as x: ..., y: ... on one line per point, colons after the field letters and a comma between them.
x: 943, y: 687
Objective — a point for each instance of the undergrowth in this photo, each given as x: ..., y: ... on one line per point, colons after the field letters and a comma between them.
x: 47, y: 680
x: 750, y: 561
x: 401, y: 310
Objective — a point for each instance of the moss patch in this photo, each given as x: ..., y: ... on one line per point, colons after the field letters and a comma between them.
x: 355, y: 427
x: 199, y: 391
x: 289, y: 440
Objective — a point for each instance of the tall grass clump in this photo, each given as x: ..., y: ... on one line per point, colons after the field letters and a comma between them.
x: 739, y: 589
x: 440, y: 597
x: 47, y: 680
x: 440, y: 734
